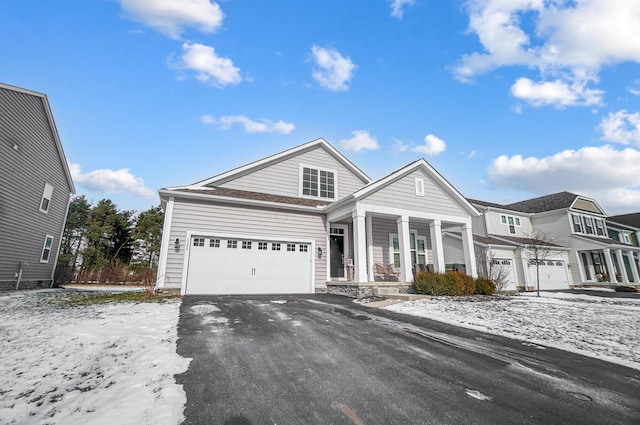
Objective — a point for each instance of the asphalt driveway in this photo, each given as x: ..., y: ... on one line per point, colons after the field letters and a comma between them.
x: 322, y: 359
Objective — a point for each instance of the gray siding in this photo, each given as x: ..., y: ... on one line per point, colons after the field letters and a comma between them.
x: 23, y: 174
x: 402, y: 194
x: 383, y: 227
x: 283, y: 178
x: 496, y: 227
x: 201, y: 216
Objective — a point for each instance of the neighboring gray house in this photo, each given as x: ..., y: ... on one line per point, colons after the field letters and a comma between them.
x: 35, y: 189
x: 308, y: 220
x: 583, y: 251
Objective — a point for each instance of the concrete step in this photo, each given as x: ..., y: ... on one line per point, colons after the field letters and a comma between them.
x: 406, y: 297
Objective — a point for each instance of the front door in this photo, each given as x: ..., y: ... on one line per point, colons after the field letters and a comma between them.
x: 337, y: 256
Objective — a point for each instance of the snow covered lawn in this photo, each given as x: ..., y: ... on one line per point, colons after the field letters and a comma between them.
x: 605, y: 328
x: 107, y: 363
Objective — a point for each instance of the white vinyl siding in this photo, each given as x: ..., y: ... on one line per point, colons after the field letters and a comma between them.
x: 283, y: 177
x: 402, y: 194
x: 199, y: 216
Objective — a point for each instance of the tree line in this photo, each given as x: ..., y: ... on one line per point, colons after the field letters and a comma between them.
x: 102, y: 243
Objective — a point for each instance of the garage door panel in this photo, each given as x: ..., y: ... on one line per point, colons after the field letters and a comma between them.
x: 248, y: 267
x: 553, y: 274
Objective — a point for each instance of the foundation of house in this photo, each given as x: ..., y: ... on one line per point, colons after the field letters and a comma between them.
x: 367, y: 289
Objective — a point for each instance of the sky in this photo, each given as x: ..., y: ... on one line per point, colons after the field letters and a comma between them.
x: 507, y: 99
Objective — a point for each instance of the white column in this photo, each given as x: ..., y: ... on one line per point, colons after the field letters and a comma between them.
x: 610, y: 269
x: 435, y: 229
x: 327, y: 254
x: 369, y: 223
x: 359, y: 248
x: 634, y: 268
x: 469, y: 251
x: 164, y: 244
x: 406, y: 274
x: 623, y: 269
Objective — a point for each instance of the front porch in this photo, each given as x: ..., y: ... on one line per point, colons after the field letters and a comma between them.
x: 612, y: 266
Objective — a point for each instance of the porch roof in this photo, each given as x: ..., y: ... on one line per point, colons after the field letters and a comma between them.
x: 608, y: 243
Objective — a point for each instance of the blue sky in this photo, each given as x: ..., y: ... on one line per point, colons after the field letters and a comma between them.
x: 507, y: 99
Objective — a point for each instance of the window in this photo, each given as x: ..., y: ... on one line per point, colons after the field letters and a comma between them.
x: 275, y: 246
x: 291, y: 247
x: 46, y: 198
x: 599, y: 227
x: 198, y: 241
x: 232, y: 244
x: 246, y: 244
x: 419, y: 186
x: 262, y: 246
x: 46, y: 249
x: 304, y: 248
x: 588, y: 225
x: 577, y: 223
x: 317, y: 182
x: 214, y: 243
x: 625, y: 238
x: 510, y: 221
x: 417, y: 244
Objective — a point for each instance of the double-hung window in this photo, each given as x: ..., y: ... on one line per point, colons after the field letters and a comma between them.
x: 588, y: 225
x: 599, y: 227
x: 46, y: 198
x: 318, y: 182
x: 46, y: 249
x: 577, y: 223
x: 510, y: 221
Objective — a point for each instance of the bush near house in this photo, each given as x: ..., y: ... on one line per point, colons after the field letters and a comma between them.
x: 622, y: 288
x: 452, y: 284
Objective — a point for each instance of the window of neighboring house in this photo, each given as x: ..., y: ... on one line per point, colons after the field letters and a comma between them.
x: 46, y: 249
x: 577, y: 223
x: 625, y: 238
x: 599, y: 227
x: 318, y: 182
x: 46, y: 198
x: 588, y: 225
x: 510, y: 221
x: 419, y: 186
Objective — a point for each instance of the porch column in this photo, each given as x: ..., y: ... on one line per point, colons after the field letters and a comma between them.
x: 327, y: 255
x: 369, y: 223
x: 634, y: 268
x: 469, y: 251
x: 406, y: 274
x: 623, y: 269
x: 435, y: 228
x: 610, y: 270
x: 359, y: 248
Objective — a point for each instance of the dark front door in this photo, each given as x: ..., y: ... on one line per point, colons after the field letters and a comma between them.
x: 337, y: 256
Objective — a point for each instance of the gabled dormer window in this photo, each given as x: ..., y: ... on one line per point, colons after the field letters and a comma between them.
x: 510, y: 221
x: 318, y: 182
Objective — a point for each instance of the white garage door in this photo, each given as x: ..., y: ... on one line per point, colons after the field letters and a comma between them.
x: 220, y: 265
x: 553, y: 274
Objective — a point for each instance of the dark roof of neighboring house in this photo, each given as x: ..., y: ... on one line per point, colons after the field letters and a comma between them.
x: 484, y: 203
x: 555, y: 201
x: 256, y: 196
x: 632, y: 220
x: 491, y: 241
x: 606, y: 241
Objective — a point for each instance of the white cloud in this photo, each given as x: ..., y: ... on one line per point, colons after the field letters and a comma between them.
x: 634, y: 89
x: 170, y: 17
x: 399, y: 146
x: 210, y: 68
x: 225, y: 122
x: 361, y: 140
x: 333, y: 71
x: 621, y: 127
x: 567, y: 40
x: 432, y: 146
x: 397, y: 7
x: 555, y: 93
x: 593, y: 171
x: 111, y: 181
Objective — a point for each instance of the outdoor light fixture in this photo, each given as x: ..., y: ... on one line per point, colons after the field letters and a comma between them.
x: 319, y: 252
x: 177, y: 243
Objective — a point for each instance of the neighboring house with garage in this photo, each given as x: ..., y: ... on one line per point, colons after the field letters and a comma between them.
x: 35, y: 191
x: 582, y: 251
x: 308, y: 220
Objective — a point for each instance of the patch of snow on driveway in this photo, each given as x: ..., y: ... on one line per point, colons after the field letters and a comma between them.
x: 99, y: 364
x: 605, y: 328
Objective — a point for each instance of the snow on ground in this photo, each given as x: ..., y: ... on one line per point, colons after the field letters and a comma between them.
x: 605, y: 328
x: 99, y: 363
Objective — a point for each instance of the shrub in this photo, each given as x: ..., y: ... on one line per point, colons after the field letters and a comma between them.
x: 439, y: 284
x: 626, y: 289
x: 485, y: 286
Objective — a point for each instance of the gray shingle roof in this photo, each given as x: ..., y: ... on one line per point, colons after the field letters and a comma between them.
x: 632, y: 220
x: 555, y: 201
x: 256, y: 196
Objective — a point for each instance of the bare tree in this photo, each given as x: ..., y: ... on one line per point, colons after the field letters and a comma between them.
x: 539, y: 247
x: 491, y: 268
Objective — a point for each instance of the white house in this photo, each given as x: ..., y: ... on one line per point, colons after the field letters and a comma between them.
x: 308, y: 220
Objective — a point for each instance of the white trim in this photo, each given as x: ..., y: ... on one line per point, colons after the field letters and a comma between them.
x: 44, y: 247
x: 369, y: 238
x: 164, y: 245
x: 398, y: 212
x: 47, y: 193
x: 301, y: 167
x: 235, y: 236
